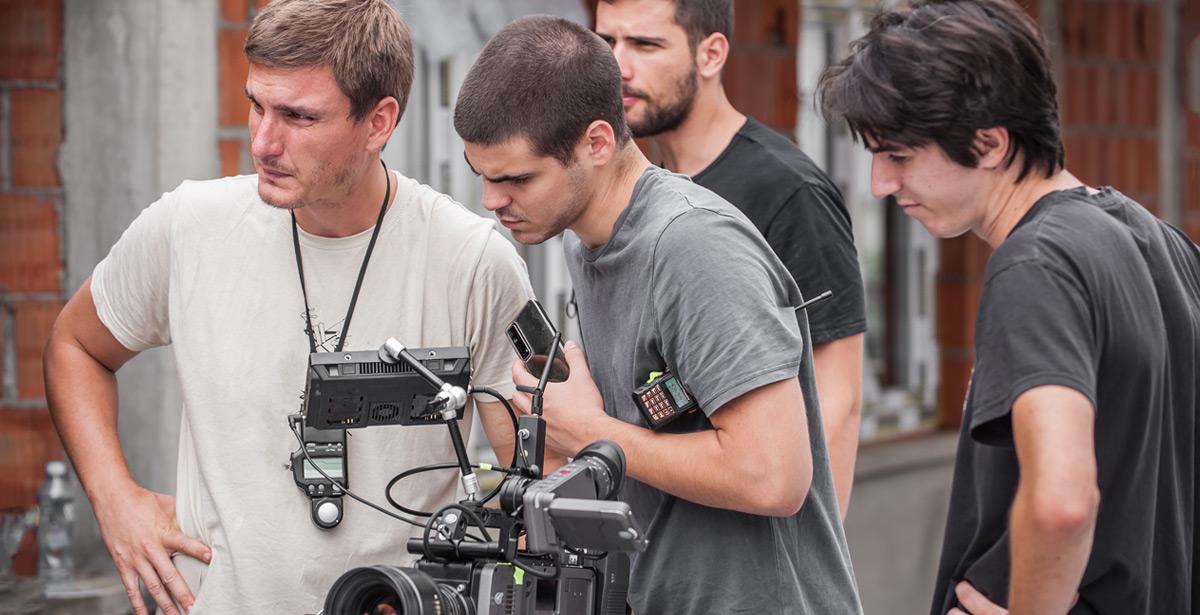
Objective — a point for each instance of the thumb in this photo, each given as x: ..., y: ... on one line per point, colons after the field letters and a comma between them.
x: 576, y: 360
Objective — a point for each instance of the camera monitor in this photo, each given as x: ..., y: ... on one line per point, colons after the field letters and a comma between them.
x: 347, y: 390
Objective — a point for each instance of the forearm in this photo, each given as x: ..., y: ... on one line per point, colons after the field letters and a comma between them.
x: 838, y: 368
x: 700, y: 468
x: 82, y: 396
x: 1049, y: 553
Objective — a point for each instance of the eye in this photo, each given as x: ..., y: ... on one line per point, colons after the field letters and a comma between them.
x: 898, y: 158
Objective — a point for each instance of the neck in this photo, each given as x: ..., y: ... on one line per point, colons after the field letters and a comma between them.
x: 1009, y: 201
x: 707, y: 131
x: 610, y: 197
x: 354, y: 212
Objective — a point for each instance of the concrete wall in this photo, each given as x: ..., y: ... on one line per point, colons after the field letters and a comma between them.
x: 896, y: 521
x: 139, y: 116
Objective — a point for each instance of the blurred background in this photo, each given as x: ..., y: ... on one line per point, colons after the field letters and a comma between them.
x: 105, y: 104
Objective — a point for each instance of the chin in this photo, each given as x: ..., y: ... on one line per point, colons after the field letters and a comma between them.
x: 278, y: 198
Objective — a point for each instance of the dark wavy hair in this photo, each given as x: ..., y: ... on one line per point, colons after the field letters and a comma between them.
x: 544, y: 78
x: 939, y: 70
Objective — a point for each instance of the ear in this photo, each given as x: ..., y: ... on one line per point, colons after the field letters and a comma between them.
x: 991, y: 144
x: 382, y: 120
x: 598, y: 145
x: 711, y: 54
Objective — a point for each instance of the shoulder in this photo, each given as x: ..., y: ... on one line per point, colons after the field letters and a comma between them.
x: 772, y: 155
x: 455, y: 232
x: 1064, y: 231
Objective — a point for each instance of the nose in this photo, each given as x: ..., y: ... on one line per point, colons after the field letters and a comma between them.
x: 621, y: 52
x: 884, y: 177
x: 265, y: 137
x: 493, y: 197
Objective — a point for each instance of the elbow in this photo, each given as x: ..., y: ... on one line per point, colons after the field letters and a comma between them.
x: 783, y: 493
x: 1067, y: 515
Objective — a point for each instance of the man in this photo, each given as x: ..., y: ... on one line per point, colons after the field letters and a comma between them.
x: 245, y: 276
x: 668, y: 276
x: 672, y: 54
x: 1075, y: 482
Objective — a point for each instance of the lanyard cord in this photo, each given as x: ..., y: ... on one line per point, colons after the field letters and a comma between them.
x: 362, y: 271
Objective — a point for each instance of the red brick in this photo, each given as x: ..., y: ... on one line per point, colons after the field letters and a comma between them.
x: 1148, y: 165
x: 261, y: 3
x: 30, y: 39
x: 1075, y: 98
x: 1114, y: 172
x: 957, y: 304
x: 1073, y: 23
x: 1124, y: 99
x: 1150, y: 34
x: 1102, y: 95
x: 952, y: 389
x: 1148, y: 84
x: 232, y: 69
x: 27, y: 441
x: 787, y: 94
x: 1110, y: 16
x: 1093, y: 31
x: 33, y: 322
x: 231, y: 156
x: 1193, y: 129
x: 235, y: 10
x: 36, y: 131
x: 29, y: 244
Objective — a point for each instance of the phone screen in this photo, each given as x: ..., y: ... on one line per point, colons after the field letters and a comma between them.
x: 531, y: 336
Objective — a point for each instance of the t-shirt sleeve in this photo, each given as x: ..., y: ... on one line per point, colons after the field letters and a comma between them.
x: 500, y: 288
x: 812, y: 235
x: 1035, y: 328
x: 130, y: 287
x: 723, y: 308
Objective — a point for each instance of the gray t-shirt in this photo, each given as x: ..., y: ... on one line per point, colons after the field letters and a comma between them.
x: 687, y: 282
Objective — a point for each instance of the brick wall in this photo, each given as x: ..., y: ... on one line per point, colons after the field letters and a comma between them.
x: 31, y: 263
x: 1190, y: 35
x: 760, y: 75
x: 234, y: 107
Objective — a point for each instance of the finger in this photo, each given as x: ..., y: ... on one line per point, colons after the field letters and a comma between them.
x: 976, y: 602
x: 129, y: 579
x: 179, y: 542
x: 522, y: 402
x: 522, y: 377
x: 576, y: 359
x: 172, y: 580
x: 155, y: 586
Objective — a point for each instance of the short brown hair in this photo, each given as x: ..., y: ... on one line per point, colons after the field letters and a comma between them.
x: 937, y: 71
x: 544, y: 78
x: 365, y: 43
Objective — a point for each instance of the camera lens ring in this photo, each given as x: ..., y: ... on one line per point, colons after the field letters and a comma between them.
x: 407, y: 590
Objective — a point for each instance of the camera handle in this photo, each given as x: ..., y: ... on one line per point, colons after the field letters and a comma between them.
x: 450, y: 399
x: 531, y: 428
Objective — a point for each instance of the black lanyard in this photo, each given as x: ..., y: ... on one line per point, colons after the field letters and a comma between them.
x: 362, y: 271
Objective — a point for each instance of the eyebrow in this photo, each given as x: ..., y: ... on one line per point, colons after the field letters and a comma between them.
x: 639, y: 38
x: 884, y: 147
x: 495, y: 180
x: 288, y: 109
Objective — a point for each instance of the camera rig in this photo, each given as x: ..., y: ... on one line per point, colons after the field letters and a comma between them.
x: 577, y: 533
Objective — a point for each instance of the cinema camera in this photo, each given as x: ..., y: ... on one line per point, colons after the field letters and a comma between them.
x: 577, y: 533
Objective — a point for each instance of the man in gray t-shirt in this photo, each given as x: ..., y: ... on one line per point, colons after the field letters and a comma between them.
x: 737, y: 499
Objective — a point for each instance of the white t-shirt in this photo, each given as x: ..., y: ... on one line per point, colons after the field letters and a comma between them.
x: 210, y: 269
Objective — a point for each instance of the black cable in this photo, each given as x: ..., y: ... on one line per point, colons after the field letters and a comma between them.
x: 541, y: 574
x: 304, y: 449
x: 468, y: 513
x: 430, y: 468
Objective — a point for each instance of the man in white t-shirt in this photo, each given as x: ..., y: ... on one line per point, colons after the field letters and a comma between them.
x: 244, y: 276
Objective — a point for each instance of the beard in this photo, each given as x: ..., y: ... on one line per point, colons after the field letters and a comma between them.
x: 667, y: 116
x: 337, y: 180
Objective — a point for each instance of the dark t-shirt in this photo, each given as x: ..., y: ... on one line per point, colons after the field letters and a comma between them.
x: 1093, y: 293
x: 800, y: 212
x: 686, y: 282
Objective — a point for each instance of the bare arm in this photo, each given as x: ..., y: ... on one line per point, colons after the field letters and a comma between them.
x: 1054, y: 512
x: 756, y: 459
x: 838, y: 365
x: 138, y: 525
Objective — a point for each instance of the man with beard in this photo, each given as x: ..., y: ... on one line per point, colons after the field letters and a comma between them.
x: 737, y: 497
x: 672, y: 53
x: 244, y: 277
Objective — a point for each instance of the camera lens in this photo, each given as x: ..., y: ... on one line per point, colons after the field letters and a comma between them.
x: 390, y: 590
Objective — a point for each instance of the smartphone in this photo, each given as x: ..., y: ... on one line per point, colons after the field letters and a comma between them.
x: 531, y: 335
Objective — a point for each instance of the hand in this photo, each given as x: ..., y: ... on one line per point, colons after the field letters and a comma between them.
x: 573, y: 409
x: 978, y: 604
x: 975, y: 602
x: 141, y: 535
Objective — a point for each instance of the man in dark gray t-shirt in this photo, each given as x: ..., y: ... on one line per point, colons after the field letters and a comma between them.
x: 737, y: 498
